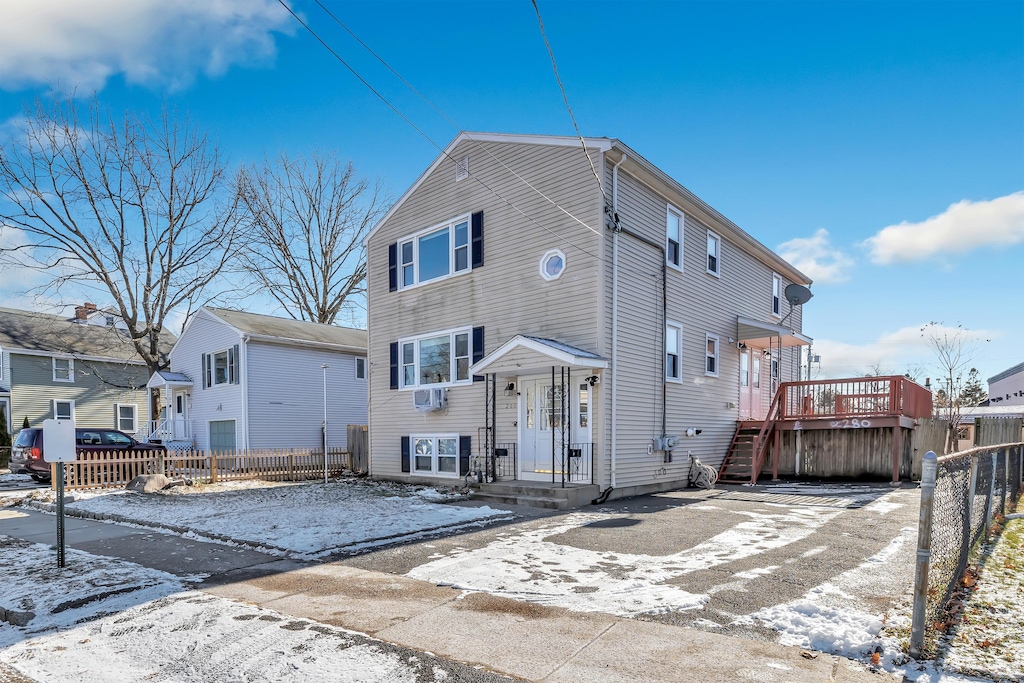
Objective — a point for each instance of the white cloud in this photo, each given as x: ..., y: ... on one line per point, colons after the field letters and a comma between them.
x: 817, y: 258
x: 892, y: 353
x: 962, y: 227
x: 152, y: 42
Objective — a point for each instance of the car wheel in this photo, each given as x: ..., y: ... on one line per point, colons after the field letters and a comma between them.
x: 40, y: 478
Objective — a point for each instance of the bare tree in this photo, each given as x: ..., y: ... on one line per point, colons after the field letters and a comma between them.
x: 954, y: 349
x: 131, y: 206
x: 305, y: 222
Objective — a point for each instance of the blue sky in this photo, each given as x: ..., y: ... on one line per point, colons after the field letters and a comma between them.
x: 880, y: 146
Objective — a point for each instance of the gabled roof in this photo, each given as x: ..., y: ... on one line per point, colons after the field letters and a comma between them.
x: 43, y: 333
x: 524, y: 354
x: 634, y: 163
x: 286, y: 330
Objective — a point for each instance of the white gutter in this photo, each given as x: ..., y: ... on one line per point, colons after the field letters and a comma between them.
x: 615, y: 315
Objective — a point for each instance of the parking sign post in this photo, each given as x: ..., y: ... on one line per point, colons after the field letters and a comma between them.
x: 59, y: 448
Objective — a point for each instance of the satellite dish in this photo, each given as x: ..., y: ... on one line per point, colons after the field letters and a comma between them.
x: 797, y: 295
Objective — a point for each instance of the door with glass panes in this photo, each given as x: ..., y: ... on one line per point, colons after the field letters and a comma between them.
x: 541, y: 428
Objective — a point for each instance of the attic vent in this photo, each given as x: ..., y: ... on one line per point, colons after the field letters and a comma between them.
x: 461, y: 169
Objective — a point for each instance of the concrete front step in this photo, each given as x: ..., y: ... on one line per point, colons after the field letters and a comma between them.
x: 536, y: 495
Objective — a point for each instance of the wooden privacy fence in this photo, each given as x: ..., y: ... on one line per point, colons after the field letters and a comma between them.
x: 103, y: 470
x: 359, y: 459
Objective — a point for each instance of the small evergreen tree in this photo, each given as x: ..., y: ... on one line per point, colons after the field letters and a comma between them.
x: 973, y: 394
x: 24, y: 423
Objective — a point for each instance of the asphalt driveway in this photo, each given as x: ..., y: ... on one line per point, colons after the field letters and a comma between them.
x: 706, y: 559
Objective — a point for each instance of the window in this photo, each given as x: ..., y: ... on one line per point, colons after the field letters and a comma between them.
x: 757, y: 372
x: 436, y: 359
x: 63, y: 370
x: 124, y: 417
x: 221, y: 367
x: 711, y: 355
x: 673, y: 351
x: 776, y: 295
x: 360, y: 368
x: 552, y: 264
x: 744, y: 369
x: 674, y: 238
x: 63, y: 410
x: 437, y: 454
x: 436, y: 253
x: 714, y: 254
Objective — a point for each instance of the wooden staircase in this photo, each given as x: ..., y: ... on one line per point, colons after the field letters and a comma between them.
x: 749, y: 447
x: 738, y: 465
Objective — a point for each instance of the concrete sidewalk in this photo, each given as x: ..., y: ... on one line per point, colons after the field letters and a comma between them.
x: 525, y: 640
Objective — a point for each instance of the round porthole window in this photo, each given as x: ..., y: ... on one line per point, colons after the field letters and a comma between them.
x: 552, y: 264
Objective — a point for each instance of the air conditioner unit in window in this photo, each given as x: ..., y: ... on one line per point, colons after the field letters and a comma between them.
x: 428, y: 400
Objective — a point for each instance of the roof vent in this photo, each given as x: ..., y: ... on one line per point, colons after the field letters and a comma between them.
x: 461, y: 169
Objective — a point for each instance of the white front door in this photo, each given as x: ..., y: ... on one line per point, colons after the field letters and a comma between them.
x: 179, y: 425
x: 540, y: 424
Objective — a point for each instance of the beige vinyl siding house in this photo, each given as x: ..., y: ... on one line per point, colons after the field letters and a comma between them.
x: 572, y: 280
x: 57, y: 367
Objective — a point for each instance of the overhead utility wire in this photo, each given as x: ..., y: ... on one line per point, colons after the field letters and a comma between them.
x: 459, y: 128
x: 565, y: 98
x: 427, y: 137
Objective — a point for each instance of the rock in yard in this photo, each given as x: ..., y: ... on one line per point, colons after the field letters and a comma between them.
x: 16, y: 618
x: 149, y: 483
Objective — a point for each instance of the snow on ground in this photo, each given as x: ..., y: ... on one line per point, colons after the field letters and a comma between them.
x: 7, y: 477
x: 834, y: 617
x: 528, y: 566
x: 990, y: 639
x: 305, y: 520
x: 146, y: 625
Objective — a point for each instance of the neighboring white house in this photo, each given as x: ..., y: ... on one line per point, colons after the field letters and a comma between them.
x: 608, y: 329
x: 1007, y: 388
x: 240, y: 381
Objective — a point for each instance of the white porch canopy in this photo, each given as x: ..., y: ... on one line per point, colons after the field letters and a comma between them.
x: 762, y: 335
x: 162, y: 379
x: 525, y: 355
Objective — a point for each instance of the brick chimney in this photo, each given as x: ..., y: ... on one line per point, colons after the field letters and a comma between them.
x: 82, y: 312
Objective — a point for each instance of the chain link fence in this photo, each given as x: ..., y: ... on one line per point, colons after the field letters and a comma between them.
x: 961, y: 495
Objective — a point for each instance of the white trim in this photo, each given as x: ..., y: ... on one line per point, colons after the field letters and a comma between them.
x: 678, y: 352
x: 708, y: 337
x: 669, y: 212
x: 243, y: 386
x: 544, y: 260
x: 712, y: 235
x: 71, y: 369
x: 53, y: 407
x: 600, y: 144
x: 415, y: 238
x: 776, y: 299
x: 434, y: 455
x: 135, y: 417
x: 452, y: 364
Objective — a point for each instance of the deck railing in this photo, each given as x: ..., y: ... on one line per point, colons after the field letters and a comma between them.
x: 854, y: 399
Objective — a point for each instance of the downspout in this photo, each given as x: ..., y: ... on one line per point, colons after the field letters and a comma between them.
x: 243, y: 371
x: 615, y: 318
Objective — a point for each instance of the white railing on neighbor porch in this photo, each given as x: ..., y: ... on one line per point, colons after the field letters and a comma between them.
x: 170, y: 429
